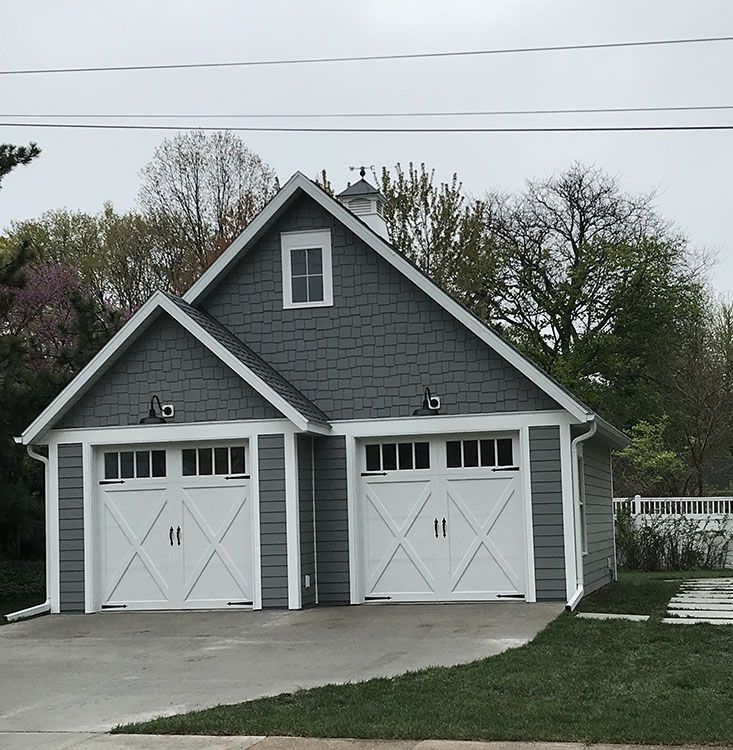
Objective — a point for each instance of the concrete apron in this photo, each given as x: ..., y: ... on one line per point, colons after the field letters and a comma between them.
x: 74, y: 741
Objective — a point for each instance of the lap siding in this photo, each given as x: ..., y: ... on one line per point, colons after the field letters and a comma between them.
x: 71, y: 528
x: 598, y: 515
x: 273, y: 535
x: 547, y: 515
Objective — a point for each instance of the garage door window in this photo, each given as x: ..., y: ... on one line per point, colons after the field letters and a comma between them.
x: 222, y: 461
x: 463, y: 454
x: 134, y: 464
x: 397, y: 456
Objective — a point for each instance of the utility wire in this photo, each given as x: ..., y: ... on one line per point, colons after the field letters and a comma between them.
x: 372, y: 58
x: 301, y: 115
x: 275, y: 129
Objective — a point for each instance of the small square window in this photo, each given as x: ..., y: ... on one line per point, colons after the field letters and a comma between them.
x: 237, y: 456
x: 158, y: 460
x: 306, y: 266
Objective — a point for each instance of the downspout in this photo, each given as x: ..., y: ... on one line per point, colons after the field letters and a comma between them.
x: 39, y: 609
x: 579, y: 590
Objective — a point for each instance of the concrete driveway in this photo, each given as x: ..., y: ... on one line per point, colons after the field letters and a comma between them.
x: 90, y: 672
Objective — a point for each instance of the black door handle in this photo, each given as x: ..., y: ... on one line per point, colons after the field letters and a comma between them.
x: 436, y: 528
x: 170, y: 535
x: 444, y: 527
x: 178, y: 535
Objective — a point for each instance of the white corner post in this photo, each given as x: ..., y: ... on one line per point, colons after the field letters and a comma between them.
x: 352, y: 485
x: 531, y: 584
x: 292, y: 520
x: 568, y: 515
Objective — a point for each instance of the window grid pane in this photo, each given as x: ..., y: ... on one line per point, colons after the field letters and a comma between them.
x: 221, y: 460
x: 504, y: 455
x: 422, y: 455
x: 158, y: 461
x: 373, y: 458
x: 488, y: 453
x: 188, y: 456
x: 405, y: 455
x: 237, y: 460
x: 142, y: 464
x: 127, y: 465
x: 205, y: 462
x: 453, y: 454
x: 389, y: 456
x: 111, y: 468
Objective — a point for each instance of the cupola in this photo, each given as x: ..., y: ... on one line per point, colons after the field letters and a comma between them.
x: 366, y: 202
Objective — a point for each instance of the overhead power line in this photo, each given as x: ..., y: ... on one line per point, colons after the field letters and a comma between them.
x: 373, y: 58
x: 276, y: 129
x: 324, y: 115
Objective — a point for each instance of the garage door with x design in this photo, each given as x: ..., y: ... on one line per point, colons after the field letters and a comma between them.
x: 175, y: 529
x: 442, y: 520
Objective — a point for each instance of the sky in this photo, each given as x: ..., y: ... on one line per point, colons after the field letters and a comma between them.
x: 691, y: 172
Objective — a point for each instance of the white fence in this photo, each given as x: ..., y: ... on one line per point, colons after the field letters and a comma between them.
x: 718, y: 510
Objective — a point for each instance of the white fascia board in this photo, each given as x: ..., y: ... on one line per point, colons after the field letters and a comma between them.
x: 87, y: 373
x: 171, y: 432
x: 300, y: 182
x: 450, y: 423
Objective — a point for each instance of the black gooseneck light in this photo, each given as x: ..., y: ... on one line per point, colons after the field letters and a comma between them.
x: 152, y: 417
x: 430, y: 406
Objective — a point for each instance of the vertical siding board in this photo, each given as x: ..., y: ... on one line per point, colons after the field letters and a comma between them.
x: 547, y: 516
x: 71, y: 528
x: 332, y: 520
x: 305, y: 512
x: 598, y: 515
x: 273, y: 535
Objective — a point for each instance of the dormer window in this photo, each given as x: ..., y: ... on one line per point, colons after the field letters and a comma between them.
x: 306, y: 264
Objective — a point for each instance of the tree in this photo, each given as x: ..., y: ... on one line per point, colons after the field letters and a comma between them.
x: 13, y: 156
x: 437, y: 227
x: 115, y: 254
x: 198, y: 193
x: 591, y: 283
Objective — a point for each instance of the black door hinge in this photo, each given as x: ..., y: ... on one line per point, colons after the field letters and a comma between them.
x: 377, y: 598
x: 506, y: 468
x: 374, y: 473
x: 239, y: 604
x: 510, y: 596
x: 114, y: 606
x: 112, y: 481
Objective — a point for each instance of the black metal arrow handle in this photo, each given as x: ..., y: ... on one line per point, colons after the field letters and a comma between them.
x: 436, y: 528
x: 444, y: 527
x: 170, y: 535
x: 178, y: 535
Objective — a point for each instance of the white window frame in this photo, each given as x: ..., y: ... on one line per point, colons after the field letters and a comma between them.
x: 317, y: 238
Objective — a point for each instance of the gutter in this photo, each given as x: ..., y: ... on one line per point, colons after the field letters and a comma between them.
x: 577, y: 595
x: 38, y: 609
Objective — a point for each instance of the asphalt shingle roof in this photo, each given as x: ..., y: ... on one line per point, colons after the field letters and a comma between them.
x: 254, y: 362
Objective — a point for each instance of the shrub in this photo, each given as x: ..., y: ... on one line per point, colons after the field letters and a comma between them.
x: 658, y: 542
x: 21, y: 579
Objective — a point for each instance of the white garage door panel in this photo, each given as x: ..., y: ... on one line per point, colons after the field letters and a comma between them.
x: 440, y: 533
x: 398, y: 527
x: 174, y: 541
x: 136, y: 568
x: 486, y: 538
x: 216, y: 530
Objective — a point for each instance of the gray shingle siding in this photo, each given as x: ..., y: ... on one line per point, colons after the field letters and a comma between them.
x: 332, y: 520
x: 371, y: 354
x: 305, y: 511
x: 547, y: 518
x: 273, y: 537
x: 598, y: 515
x: 71, y: 528
x: 168, y: 361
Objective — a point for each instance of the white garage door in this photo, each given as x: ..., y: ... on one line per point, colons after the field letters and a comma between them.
x: 175, y: 528
x: 442, y: 519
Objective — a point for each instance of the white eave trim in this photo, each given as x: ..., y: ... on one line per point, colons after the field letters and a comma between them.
x: 300, y: 182
x: 160, y: 301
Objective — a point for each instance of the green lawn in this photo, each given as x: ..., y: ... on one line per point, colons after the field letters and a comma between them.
x: 579, y: 680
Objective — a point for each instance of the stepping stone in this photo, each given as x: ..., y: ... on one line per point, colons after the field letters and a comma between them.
x: 696, y: 621
x: 708, y: 614
x: 610, y: 616
x: 704, y: 604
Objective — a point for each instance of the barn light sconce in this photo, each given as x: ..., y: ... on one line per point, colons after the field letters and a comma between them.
x: 430, y: 405
x: 152, y: 417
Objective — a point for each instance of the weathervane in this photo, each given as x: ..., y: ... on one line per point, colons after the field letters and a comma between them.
x: 362, y: 170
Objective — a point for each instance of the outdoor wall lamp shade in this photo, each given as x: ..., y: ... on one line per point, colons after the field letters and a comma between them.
x: 430, y: 405
x: 152, y: 417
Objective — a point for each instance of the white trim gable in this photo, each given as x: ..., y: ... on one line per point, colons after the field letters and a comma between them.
x: 126, y: 335
x: 300, y: 182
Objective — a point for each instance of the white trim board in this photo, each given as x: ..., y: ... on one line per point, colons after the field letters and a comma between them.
x: 300, y: 182
x: 125, y: 337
